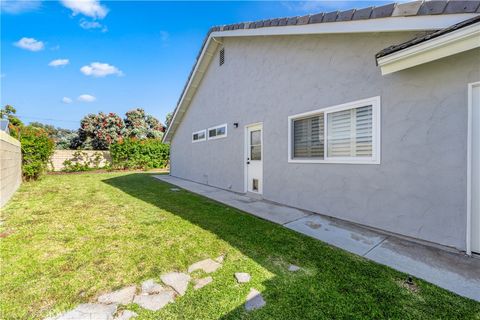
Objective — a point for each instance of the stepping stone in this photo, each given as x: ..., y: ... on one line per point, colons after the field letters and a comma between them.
x: 150, y: 286
x: 89, y: 311
x: 254, y: 300
x: 207, y: 265
x: 122, y: 296
x: 178, y: 281
x: 293, y: 268
x: 220, y: 259
x: 126, y: 315
x: 200, y: 283
x: 242, y: 277
x: 155, y: 302
x: 174, y: 189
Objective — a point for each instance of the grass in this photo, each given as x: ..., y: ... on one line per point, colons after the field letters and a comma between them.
x: 68, y: 238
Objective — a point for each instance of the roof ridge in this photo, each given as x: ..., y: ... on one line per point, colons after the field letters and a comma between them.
x: 394, y: 9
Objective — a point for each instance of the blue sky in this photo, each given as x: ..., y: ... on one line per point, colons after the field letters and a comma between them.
x: 63, y: 60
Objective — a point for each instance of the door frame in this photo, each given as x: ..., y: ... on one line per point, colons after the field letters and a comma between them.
x: 469, y: 237
x: 245, y: 156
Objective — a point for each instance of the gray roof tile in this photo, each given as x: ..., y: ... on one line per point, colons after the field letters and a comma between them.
x: 407, y: 9
x: 383, y: 11
x: 316, y: 18
x: 461, y: 6
x: 292, y: 21
x: 432, y: 7
x: 427, y: 37
x: 345, y: 15
x: 330, y: 16
x: 362, y: 14
x: 389, y: 10
x: 303, y: 20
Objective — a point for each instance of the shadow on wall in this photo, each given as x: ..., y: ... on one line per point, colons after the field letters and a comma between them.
x: 334, y: 283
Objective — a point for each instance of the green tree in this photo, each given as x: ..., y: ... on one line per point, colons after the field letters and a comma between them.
x: 142, y: 126
x: 62, y: 137
x: 9, y: 112
x: 168, y: 119
x: 37, y: 148
x: 98, y: 131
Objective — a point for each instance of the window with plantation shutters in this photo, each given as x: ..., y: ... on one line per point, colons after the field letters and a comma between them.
x: 308, y: 137
x: 348, y: 133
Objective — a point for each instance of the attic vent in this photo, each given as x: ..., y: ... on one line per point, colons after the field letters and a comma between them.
x: 222, y: 56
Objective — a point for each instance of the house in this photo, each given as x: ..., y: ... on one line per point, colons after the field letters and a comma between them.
x: 370, y: 115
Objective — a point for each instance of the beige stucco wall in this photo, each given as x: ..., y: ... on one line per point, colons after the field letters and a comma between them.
x: 59, y: 156
x: 418, y: 189
x: 10, y: 167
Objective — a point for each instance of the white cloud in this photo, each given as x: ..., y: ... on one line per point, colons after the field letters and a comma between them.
x: 30, y: 44
x: 19, y: 6
x: 89, y: 8
x: 97, y: 69
x: 86, y: 98
x: 67, y: 100
x: 85, y: 24
x: 59, y: 63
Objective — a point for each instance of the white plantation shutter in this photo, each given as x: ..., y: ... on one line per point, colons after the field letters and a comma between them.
x: 364, y: 132
x: 350, y: 133
x: 308, y: 137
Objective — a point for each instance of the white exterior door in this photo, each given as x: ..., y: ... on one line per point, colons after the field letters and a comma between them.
x: 475, y: 166
x: 254, y: 158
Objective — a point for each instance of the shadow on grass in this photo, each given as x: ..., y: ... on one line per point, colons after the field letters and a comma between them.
x: 338, y: 285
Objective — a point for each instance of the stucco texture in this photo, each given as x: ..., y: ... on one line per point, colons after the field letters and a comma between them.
x: 419, y: 188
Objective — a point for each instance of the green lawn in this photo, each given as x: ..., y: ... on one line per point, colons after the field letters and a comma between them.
x: 68, y: 238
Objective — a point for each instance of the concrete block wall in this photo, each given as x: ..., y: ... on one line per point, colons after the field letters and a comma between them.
x: 10, y: 167
x: 59, y: 157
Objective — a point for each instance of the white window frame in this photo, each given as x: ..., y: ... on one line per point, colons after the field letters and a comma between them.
x: 197, y: 132
x: 216, y: 127
x: 376, y: 130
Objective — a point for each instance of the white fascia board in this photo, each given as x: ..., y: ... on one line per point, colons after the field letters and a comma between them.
x: 443, y: 46
x: 200, y: 68
x: 388, y: 24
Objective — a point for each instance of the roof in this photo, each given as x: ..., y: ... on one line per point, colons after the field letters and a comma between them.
x: 393, y: 10
x: 427, y: 37
x: 414, y: 8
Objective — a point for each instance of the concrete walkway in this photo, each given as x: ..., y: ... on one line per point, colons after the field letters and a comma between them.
x: 451, y: 271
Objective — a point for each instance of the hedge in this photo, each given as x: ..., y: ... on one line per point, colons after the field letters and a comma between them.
x: 139, y: 154
x: 37, y: 148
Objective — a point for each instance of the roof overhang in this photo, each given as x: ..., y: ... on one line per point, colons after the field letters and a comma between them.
x: 443, y: 46
x: 389, y: 24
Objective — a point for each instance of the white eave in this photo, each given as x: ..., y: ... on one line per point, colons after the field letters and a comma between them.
x: 389, y: 24
x: 454, y: 42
